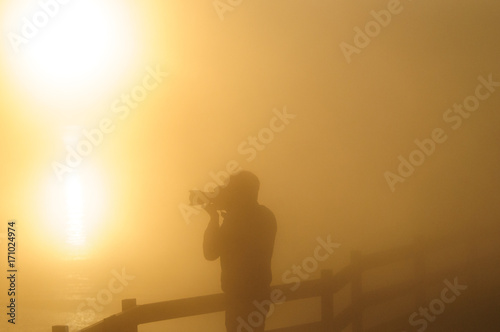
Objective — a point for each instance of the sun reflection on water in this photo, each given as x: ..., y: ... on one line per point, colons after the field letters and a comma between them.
x: 75, y: 226
x: 78, y: 200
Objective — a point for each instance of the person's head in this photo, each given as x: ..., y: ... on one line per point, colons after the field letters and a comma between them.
x: 242, y: 190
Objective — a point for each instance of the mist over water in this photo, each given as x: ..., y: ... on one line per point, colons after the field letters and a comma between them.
x: 373, y: 145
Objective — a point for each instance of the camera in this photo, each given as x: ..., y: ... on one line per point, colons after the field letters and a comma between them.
x: 198, y: 197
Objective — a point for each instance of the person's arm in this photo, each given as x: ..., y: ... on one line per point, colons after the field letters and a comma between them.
x: 211, y: 239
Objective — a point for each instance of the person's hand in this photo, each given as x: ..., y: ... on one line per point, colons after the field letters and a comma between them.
x: 212, y: 212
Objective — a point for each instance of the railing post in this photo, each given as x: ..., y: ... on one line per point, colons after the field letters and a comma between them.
x: 472, y: 259
x: 472, y: 270
x: 60, y: 328
x: 327, y: 300
x: 420, y: 250
x: 128, y: 304
x: 357, y: 292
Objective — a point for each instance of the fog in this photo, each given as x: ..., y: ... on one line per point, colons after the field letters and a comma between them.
x: 269, y: 89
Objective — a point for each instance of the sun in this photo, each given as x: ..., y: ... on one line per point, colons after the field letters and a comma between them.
x: 68, y: 54
x: 64, y: 59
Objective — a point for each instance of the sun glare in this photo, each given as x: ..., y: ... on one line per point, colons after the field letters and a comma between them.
x: 75, y: 231
x: 69, y: 59
x: 75, y: 208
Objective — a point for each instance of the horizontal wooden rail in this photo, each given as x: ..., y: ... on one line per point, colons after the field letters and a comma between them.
x: 133, y: 315
x: 310, y: 327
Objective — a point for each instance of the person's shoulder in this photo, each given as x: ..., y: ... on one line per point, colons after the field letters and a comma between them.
x: 266, y: 214
x: 265, y: 210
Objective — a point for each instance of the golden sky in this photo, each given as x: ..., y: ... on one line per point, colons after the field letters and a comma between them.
x: 201, y: 86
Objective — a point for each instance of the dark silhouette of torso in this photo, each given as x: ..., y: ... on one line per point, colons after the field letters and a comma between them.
x: 244, y: 242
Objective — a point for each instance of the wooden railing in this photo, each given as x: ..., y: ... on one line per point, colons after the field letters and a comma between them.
x: 133, y: 315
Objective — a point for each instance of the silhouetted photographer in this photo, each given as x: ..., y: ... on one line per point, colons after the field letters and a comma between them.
x: 244, y: 243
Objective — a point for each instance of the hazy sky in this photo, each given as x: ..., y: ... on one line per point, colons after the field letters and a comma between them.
x: 351, y: 117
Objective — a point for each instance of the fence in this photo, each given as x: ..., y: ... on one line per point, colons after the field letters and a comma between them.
x: 325, y: 288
